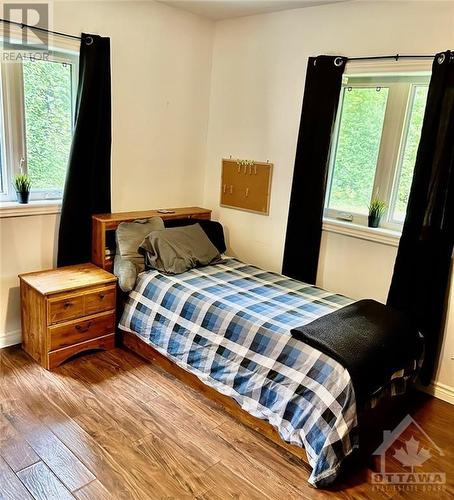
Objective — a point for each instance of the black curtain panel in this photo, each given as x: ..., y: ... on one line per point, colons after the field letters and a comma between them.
x: 421, y: 273
x: 87, y: 187
x: 304, y: 226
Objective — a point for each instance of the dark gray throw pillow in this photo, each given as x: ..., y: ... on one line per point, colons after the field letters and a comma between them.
x: 176, y: 250
x: 128, y: 262
x: 213, y: 229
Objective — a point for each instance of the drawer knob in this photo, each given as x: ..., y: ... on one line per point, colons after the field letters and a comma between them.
x: 67, y: 304
x: 83, y: 329
x: 101, y: 296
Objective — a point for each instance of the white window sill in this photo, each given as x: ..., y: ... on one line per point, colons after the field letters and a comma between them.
x: 378, y: 235
x: 36, y: 207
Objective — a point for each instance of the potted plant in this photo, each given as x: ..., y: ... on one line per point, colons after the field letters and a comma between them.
x: 22, y: 186
x: 377, y: 208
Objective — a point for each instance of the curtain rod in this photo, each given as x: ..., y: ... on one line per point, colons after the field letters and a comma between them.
x: 396, y: 57
x: 22, y: 26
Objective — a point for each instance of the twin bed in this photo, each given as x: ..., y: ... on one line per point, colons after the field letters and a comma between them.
x: 226, y: 328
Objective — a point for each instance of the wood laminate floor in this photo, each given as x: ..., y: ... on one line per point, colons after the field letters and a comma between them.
x: 110, y: 425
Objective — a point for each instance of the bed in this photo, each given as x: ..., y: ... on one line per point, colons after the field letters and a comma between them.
x: 225, y: 329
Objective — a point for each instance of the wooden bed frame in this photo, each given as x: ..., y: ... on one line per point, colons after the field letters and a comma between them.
x: 102, y: 224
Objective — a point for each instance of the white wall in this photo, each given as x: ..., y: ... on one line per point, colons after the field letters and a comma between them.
x: 26, y: 244
x: 259, y: 66
x: 161, y: 64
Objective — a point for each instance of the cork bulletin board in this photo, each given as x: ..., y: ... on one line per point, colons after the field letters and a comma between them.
x: 246, y: 185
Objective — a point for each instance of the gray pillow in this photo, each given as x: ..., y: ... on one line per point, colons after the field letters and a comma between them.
x: 127, y: 270
x: 178, y: 249
x: 128, y: 262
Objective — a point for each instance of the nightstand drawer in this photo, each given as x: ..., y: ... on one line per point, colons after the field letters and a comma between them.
x: 65, y: 308
x: 99, y: 300
x: 81, y: 330
x: 55, y: 358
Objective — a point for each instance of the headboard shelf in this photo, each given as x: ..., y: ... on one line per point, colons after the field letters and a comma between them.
x: 102, y: 224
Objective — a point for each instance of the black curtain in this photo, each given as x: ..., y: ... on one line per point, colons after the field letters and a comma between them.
x: 304, y: 226
x: 421, y: 272
x: 87, y: 187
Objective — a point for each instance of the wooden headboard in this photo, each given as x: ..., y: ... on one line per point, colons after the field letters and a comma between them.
x: 103, y: 224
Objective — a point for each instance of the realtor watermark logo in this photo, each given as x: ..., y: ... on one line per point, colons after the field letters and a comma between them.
x: 406, y: 460
x: 26, y: 36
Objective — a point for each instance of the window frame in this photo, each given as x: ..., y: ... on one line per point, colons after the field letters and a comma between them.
x: 400, y: 157
x: 13, y: 136
x: 402, y: 87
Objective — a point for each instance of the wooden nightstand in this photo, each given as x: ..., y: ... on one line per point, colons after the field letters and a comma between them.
x: 66, y: 311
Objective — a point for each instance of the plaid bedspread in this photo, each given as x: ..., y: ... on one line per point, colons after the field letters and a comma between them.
x: 229, y: 324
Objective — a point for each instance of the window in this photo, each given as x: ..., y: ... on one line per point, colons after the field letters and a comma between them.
x: 374, y: 146
x: 36, y: 122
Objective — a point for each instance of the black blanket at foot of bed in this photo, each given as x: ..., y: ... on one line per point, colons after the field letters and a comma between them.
x: 371, y: 340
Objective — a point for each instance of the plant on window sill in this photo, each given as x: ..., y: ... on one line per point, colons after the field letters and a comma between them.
x: 22, y: 185
x: 377, y: 208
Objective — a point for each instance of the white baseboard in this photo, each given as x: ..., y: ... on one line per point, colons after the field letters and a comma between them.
x: 10, y: 338
x: 440, y: 391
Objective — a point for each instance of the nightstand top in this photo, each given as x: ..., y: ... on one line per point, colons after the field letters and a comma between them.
x: 67, y: 278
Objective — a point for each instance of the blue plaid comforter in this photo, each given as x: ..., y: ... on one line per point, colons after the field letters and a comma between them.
x: 229, y: 324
